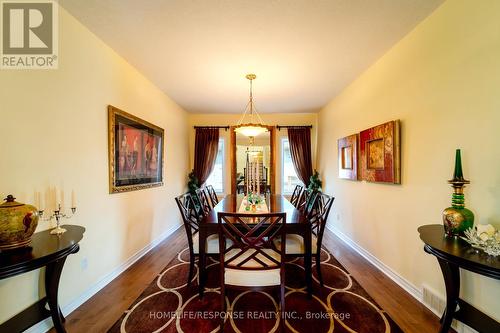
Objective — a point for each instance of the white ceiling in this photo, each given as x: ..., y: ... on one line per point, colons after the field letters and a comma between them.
x: 304, y: 52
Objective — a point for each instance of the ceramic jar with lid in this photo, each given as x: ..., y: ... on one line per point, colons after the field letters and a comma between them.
x: 18, y: 222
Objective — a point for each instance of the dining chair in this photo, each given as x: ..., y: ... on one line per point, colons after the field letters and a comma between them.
x: 202, y: 199
x: 212, y: 195
x: 317, y: 211
x: 301, y: 201
x: 307, y: 201
x: 318, y: 219
x: 191, y: 219
x: 294, y: 200
x: 252, y: 261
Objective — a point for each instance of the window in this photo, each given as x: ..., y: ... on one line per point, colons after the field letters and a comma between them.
x: 289, y: 176
x: 216, y: 178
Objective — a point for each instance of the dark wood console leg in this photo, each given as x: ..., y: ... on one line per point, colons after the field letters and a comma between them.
x: 451, y: 276
x: 52, y: 276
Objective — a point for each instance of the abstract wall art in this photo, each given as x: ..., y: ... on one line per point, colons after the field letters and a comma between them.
x: 380, y: 153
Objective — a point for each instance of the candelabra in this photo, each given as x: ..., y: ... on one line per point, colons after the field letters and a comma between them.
x: 58, y: 215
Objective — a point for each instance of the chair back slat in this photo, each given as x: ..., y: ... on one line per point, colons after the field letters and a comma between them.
x: 252, y: 240
x: 303, y: 197
x: 202, y: 200
x: 319, y: 215
x: 294, y: 200
x: 312, y: 204
x: 308, y: 202
x: 212, y: 195
x: 189, y: 213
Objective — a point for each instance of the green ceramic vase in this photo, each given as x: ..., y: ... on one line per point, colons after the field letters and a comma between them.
x: 457, y: 218
x: 17, y: 224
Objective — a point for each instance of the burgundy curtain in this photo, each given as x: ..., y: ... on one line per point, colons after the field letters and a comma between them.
x: 300, y: 149
x: 205, y: 152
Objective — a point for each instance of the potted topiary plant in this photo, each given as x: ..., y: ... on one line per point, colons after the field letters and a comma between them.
x: 314, y: 182
x: 193, y: 183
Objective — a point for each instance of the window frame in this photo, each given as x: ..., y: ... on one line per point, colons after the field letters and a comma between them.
x: 222, y: 149
x: 282, y: 176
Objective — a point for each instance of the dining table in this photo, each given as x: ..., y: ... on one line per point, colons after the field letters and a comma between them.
x: 296, y: 223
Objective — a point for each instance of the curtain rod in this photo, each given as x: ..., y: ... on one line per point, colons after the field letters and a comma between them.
x: 224, y: 127
x: 279, y: 127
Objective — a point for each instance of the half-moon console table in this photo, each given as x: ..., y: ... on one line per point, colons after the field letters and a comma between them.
x: 453, y: 253
x: 49, y: 251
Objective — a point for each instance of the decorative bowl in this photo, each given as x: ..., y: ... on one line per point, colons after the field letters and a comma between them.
x: 485, y: 238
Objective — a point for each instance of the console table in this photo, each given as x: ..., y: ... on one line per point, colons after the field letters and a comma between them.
x: 49, y: 251
x: 453, y: 253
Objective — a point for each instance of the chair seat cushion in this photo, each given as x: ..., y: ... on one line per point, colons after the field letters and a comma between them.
x: 295, y: 244
x: 212, y: 244
x: 237, y: 277
x: 253, y: 278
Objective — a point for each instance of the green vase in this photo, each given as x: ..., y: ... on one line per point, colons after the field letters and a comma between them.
x: 457, y: 218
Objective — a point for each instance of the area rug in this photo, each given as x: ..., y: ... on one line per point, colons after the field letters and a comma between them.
x: 169, y: 305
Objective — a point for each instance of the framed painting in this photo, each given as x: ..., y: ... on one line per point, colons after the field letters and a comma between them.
x: 380, y: 153
x: 348, y: 157
x: 135, y: 152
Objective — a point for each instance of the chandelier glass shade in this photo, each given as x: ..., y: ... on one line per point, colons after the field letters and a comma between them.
x: 251, y: 130
x: 250, y: 123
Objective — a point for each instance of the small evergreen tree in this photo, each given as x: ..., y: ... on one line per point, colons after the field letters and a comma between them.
x: 314, y: 182
x: 193, y: 183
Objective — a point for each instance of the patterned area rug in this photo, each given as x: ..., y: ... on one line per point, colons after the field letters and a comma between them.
x: 341, y: 305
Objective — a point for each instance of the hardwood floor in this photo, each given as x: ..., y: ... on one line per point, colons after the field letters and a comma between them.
x: 407, y: 312
x: 100, y: 312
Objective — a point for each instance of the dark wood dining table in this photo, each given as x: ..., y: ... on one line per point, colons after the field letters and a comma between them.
x: 296, y: 223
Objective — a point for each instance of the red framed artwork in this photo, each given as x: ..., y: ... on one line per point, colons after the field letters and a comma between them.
x: 348, y: 157
x: 379, y: 148
x: 135, y: 152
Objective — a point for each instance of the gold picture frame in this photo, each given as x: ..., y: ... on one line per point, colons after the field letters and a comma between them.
x: 136, y: 152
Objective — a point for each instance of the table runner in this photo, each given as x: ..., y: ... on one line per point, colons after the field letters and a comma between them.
x: 259, y: 208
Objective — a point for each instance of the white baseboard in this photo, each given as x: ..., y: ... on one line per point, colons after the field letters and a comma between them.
x: 394, y: 276
x: 46, y: 324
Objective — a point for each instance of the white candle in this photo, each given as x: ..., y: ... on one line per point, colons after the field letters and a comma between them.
x: 37, y: 198
x: 62, y: 199
x: 249, y: 174
x: 48, y: 199
x: 40, y: 201
x: 252, y: 169
x: 73, y: 199
x: 255, y: 176
x: 56, y: 199
x: 248, y: 178
x: 257, y: 167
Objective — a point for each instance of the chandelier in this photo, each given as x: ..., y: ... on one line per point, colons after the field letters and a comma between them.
x: 247, y: 125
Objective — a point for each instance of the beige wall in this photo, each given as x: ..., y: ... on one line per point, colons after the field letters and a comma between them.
x: 53, y: 132
x: 198, y: 119
x: 442, y: 81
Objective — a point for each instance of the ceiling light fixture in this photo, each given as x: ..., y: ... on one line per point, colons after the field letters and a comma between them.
x: 250, y: 128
